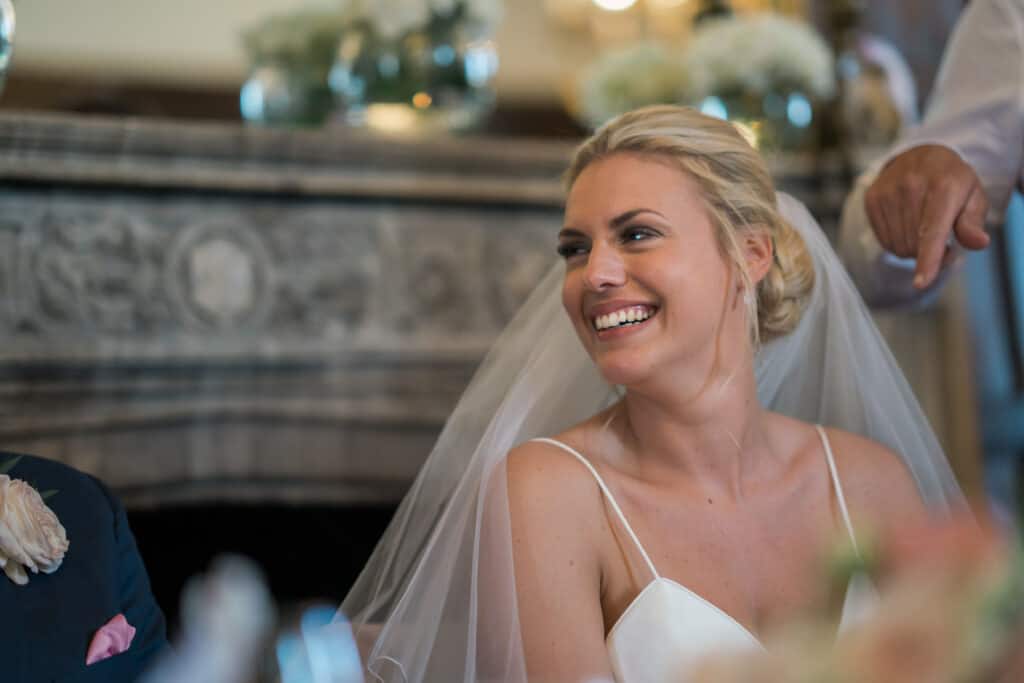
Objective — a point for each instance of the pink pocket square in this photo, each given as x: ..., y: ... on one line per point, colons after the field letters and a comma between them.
x: 113, y: 638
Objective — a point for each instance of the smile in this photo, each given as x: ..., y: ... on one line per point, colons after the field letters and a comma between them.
x: 632, y: 315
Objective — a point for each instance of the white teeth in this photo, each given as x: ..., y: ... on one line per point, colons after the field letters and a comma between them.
x: 622, y: 317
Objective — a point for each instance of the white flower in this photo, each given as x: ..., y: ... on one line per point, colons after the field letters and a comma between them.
x: 618, y: 82
x: 30, y: 534
x: 757, y: 53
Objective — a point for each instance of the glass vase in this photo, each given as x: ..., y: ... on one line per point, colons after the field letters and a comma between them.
x: 437, y: 79
x: 279, y: 93
x: 6, y: 38
x: 776, y: 120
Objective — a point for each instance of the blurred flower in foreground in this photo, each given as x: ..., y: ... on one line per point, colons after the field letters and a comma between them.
x: 228, y: 626
x: 951, y: 611
x: 321, y: 651
x: 227, y: 619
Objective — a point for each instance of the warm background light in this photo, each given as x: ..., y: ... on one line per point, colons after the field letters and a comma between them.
x: 607, y: 24
x: 614, y: 5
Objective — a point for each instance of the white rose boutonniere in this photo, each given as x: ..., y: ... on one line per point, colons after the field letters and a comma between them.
x: 31, y: 536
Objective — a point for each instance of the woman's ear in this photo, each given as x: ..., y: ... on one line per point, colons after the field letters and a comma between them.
x: 759, y: 252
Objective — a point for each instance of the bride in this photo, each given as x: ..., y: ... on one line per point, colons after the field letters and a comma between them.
x: 654, y: 458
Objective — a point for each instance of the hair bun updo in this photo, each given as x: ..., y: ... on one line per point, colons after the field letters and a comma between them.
x: 783, y: 293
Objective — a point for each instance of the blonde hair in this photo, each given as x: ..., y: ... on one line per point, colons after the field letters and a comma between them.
x: 738, y: 195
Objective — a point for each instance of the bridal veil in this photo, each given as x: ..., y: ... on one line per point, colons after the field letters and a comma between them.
x: 437, y: 600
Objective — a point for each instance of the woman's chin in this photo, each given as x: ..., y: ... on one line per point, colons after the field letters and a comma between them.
x: 625, y: 372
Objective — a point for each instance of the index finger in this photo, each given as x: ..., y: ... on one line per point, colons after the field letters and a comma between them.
x: 942, y: 205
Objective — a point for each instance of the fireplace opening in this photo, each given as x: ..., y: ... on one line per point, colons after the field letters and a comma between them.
x: 307, y: 553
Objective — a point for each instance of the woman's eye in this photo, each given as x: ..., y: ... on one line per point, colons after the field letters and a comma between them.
x: 637, y: 234
x: 570, y: 249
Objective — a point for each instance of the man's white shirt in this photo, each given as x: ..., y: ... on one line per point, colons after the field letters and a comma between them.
x: 977, y: 110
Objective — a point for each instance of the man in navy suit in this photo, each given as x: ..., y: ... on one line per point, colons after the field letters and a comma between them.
x: 47, y: 625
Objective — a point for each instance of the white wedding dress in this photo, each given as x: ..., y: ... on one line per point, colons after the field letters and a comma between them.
x: 668, y: 628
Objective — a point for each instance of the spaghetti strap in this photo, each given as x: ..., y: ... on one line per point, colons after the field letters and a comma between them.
x: 608, y: 495
x: 838, y: 487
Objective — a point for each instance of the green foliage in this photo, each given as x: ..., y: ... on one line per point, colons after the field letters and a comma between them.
x: 9, y: 465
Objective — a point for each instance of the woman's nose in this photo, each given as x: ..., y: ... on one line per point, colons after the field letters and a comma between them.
x: 604, y: 268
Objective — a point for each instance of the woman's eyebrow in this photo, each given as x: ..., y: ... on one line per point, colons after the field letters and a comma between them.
x: 629, y: 215
x: 616, y: 222
x: 566, y: 233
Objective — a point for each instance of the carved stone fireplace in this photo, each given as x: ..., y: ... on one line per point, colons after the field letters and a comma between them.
x: 212, y: 314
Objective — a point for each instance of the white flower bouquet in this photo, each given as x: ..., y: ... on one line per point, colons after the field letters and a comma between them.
x: 747, y: 56
x: 757, y: 54
x: 307, y: 32
x: 314, y: 63
x: 642, y: 74
x: 291, y: 56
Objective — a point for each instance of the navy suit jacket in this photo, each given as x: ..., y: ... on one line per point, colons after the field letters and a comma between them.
x: 46, y: 626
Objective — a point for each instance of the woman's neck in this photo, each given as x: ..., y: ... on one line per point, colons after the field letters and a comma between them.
x: 714, y: 437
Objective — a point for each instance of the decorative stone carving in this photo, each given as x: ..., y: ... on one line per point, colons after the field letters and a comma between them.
x: 516, y: 259
x: 221, y: 274
x: 88, y: 273
x: 324, y: 287
x: 220, y: 277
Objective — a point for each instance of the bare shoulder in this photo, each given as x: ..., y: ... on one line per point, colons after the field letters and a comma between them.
x: 556, y: 519
x: 864, y: 460
x: 555, y: 513
x: 544, y: 477
x: 540, y: 470
x: 876, y: 482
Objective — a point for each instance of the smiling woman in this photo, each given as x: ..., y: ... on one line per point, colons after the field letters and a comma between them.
x: 704, y: 333
x: 663, y: 257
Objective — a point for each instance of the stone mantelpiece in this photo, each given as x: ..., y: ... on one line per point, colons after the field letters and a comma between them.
x: 209, y: 312
x: 216, y: 313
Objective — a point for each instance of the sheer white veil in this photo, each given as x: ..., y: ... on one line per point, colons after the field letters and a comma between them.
x: 437, y: 600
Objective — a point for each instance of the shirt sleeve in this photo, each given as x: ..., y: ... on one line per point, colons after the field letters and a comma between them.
x: 976, y: 110
x: 136, y: 597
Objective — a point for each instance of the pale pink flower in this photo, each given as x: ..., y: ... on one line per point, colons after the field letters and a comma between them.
x: 31, y: 536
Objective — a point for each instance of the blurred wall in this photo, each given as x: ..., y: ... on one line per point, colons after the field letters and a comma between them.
x: 919, y: 28
x: 195, y: 42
